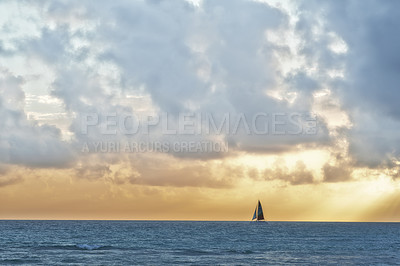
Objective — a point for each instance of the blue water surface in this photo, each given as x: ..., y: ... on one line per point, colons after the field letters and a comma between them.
x: 215, y: 243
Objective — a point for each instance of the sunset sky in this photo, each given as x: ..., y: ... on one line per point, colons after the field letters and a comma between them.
x: 323, y: 77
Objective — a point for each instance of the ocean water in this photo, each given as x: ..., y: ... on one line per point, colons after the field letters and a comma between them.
x: 199, y: 243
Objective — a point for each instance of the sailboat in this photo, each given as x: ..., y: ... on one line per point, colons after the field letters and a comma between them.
x: 258, y: 215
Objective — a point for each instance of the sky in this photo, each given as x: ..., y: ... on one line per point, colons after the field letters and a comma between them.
x: 194, y: 110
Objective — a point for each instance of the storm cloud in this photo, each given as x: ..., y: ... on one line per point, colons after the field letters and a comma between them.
x: 216, y: 57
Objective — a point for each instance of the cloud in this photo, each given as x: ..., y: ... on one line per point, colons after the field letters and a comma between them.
x: 173, y: 172
x: 333, y: 173
x: 93, y: 172
x: 185, y: 58
x: 219, y: 57
x: 6, y: 181
x: 24, y: 142
x: 8, y: 177
x: 189, y: 176
x: 299, y: 175
x: 369, y: 89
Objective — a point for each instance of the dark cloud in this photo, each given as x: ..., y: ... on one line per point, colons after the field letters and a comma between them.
x: 300, y: 175
x: 370, y: 91
x: 334, y: 173
x: 93, y: 171
x: 213, y: 59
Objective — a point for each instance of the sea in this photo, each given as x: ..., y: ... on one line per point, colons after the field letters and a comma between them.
x: 197, y: 243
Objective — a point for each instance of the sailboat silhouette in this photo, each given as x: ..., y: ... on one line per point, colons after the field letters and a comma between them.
x: 258, y: 215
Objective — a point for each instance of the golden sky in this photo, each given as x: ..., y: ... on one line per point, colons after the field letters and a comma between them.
x: 59, y: 194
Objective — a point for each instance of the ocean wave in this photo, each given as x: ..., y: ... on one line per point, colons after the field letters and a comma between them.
x: 198, y: 252
x: 74, y: 247
x: 232, y: 251
x: 19, y: 261
x: 194, y: 252
x: 91, y: 247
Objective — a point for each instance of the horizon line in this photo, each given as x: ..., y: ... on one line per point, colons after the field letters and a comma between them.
x: 180, y: 220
